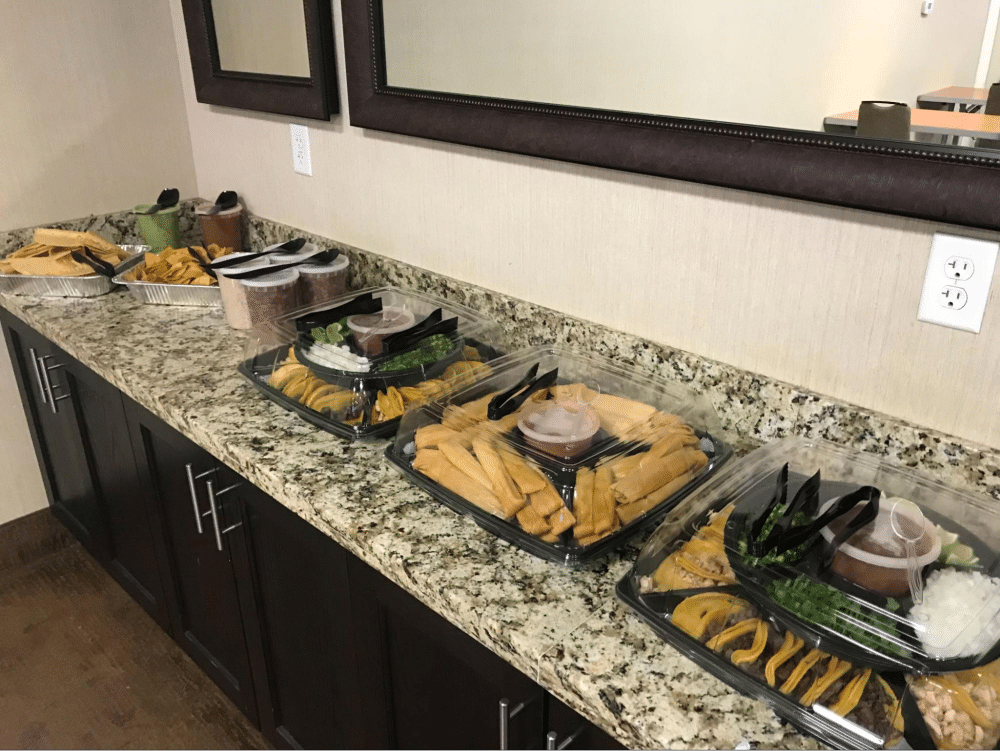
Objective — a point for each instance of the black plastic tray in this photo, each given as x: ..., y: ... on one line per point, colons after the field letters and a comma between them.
x: 755, y: 579
x: 562, y: 551
x: 259, y: 367
x: 804, y: 719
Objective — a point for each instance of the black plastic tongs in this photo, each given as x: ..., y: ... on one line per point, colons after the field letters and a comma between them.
x: 87, y: 256
x: 784, y: 537
x: 511, y: 400
x: 291, y: 246
x: 363, y: 303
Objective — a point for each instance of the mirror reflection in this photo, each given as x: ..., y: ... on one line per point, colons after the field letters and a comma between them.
x: 921, y: 68
x: 262, y: 36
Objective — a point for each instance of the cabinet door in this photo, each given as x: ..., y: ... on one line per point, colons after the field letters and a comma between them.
x: 134, y: 556
x: 312, y: 698
x: 568, y: 730
x: 431, y: 685
x: 54, y: 420
x: 205, y: 608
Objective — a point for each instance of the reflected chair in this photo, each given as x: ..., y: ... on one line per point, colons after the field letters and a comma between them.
x: 992, y: 108
x: 884, y: 120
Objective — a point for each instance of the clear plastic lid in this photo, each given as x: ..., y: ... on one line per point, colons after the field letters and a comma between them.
x: 857, y: 568
x: 561, y: 453
x: 306, y: 357
x: 202, y: 209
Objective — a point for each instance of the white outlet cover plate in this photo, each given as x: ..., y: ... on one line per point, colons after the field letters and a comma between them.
x: 301, y: 153
x: 983, y: 255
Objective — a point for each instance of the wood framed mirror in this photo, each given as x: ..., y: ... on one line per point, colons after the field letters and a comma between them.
x: 264, y: 55
x: 919, y: 178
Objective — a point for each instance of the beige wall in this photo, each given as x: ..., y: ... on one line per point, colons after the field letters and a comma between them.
x: 780, y: 62
x: 814, y: 295
x: 22, y: 491
x: 93, y: 121
x: 93, y: 116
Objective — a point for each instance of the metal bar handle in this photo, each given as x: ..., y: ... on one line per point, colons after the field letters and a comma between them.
x: 38, y: 374
x: 194, y: 495
x: 550, y: 741
x: 213, y: 508
x: 505, y: 714
x: 48, y: 383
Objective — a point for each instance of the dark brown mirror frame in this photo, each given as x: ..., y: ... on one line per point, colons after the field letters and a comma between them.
x: 938, y: 183
x: 314, y: 97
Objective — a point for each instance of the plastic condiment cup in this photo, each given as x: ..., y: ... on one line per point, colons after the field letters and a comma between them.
x: 234, y: 298
x: 320, y: 283
x: 160, y: 230
x: 559, y: 439
x: 224, y: 229
x: 270, y: 296
x: 882, y: 574
x: 369, y: 329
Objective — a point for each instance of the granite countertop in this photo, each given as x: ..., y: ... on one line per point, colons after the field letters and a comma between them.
x: 557, y: 625
x: 562, y: 627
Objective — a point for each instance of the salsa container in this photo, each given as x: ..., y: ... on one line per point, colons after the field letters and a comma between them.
x: 704, y: 550
x: 67, y: 286
x: 475, y: 341
x: 153, y: 293
x: 635, y: 411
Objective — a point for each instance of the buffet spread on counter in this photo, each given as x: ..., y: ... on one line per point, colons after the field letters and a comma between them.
x: 858, y: 599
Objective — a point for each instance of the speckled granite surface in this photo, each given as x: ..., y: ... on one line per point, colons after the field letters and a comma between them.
x: 562, y: 627
x: 118, y: 228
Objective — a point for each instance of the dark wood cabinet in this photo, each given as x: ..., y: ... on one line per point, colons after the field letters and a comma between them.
x: 311, y: 698
x: 316, y: 647
x: 192, y: 498
x: 566, y: 729
x: 54, y: 419
x: 429, y: 684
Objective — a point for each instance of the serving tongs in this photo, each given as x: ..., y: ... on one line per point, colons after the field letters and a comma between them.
x: 401, y: 339
x: 412, y: 340
x: 364, y: 303
x: 86, y: 256
x: 511, y: 400
x: 207, y: 268
x: 784, y: 536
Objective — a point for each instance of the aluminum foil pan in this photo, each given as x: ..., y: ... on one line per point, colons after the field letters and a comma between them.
x: 166, y: 294
x: 67, y: 286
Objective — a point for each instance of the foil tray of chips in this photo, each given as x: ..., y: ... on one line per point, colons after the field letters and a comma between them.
x: 49, y: 260
x: 173, y: 277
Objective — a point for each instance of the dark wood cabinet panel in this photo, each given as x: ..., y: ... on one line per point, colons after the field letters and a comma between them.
x: 54, y: 420
x: 429, y: 684
x: 312, y: 698
x: 206, y: 613
x: 132, y: 551
x: 565, y: 729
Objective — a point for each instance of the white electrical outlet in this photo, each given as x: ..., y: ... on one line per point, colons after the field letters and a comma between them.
x: 957, y: 283
x: 301, y: 155
x: 927, y: 8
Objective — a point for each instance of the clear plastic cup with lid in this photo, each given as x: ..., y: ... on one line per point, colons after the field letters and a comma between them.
x: 271, y: 296
x: 224, y: 229
x: 370, y: 329
x: 319, y: 283
x: 234, y: 299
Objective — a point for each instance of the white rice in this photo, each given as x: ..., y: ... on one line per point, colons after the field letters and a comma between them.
x: 960, y: 614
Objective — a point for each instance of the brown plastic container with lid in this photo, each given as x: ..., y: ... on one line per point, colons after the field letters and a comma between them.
x: 224, y: 229
x: 271, y: 296
x: 234, y: 298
